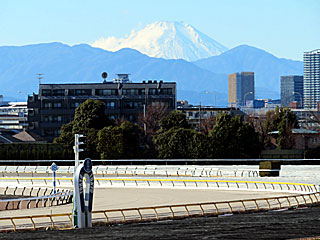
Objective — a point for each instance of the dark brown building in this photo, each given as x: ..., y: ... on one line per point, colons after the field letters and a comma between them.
x: 56, y: 103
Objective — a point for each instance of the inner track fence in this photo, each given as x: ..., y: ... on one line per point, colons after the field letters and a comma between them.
x: 171, y: 183
x: 23, y: 197
x: 191, y: 171
x: 156, y: 213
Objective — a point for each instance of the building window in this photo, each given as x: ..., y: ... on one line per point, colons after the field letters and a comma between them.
x: 162, y: 103
x: 132, y: 118
x: 133, y: 91
x: 57, y: 105
x: 31, y: 112
x: 132, y: 105
x: 48, y: 132
x: 46, y: 92
x: 47, y: 119
x: 81, y: 92
x: 58, y: 92
x: 166, y: 91
x: 47, y: 105
x: 153, y: 91
x: 110, y: 105
x: 58, y: 118
x: 112, y: 117
x: 106, y: 92
x: 50, y: 118
x: 74, y: 104
x: 128, y: 105
x: 137, y: 104
x: 52, y: 132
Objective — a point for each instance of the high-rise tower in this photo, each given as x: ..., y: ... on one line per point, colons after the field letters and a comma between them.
x: 311, y: 79
x: 291, y: 90
x: 240, y: 88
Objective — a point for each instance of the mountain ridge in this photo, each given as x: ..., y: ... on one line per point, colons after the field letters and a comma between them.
x: 61, y: 63
x: 245, y: 58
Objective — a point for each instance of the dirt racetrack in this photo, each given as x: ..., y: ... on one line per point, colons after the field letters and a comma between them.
x: 291, y: 224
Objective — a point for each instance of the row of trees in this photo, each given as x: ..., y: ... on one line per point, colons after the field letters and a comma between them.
x: 168, y: 135
x: 161, y: 134
x: 230, y: 137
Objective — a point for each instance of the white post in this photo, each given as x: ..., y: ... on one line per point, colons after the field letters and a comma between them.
x: 83, y: 199
x: 54, y: 167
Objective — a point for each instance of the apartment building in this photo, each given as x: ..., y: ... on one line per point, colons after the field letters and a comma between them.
x: 55, y: 104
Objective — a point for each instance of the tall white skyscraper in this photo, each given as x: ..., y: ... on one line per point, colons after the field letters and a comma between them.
x: 311, y: 79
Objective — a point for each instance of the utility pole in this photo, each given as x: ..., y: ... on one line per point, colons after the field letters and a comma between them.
x: 144, y: 120
x: 77, y: 149
x: 200, y: 117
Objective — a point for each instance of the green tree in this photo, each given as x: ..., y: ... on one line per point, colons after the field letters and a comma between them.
x: 66, y: 137
x: 231, y: 137
x: 132, y: 139
x: 275, y: 117
x: 282, y: 120
x: 110, y: 143
x: 90, y: 114
x: 120, y: 141
x: 175, y: 119
x: 181, y: 143
x: 88, y: 119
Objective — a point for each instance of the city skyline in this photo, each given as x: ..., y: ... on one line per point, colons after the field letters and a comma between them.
x: 285, y: 28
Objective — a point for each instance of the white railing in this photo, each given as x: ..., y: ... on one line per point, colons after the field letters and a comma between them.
x: 33, y: 197
x: 168, y: 171
x: 168, y: 183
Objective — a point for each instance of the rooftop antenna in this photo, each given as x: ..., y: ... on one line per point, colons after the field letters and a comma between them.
x: 104, y: 76
x: 39, y: 77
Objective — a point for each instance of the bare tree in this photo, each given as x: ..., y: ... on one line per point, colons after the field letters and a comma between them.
x: 207, y: 124
x: 151, y: 119
x: 119, y: 120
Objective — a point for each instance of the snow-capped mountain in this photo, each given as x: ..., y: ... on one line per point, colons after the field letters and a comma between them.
x: 165, y: 39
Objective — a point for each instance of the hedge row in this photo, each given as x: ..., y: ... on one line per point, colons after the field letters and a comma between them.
x: 34, y: 151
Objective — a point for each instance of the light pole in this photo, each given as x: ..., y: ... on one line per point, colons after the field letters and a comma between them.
x: 39, y: 77
x: 145, y: 110
x: 215, y: 99
x: 244, y: 97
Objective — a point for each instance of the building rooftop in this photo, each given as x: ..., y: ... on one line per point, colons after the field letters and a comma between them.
x: 298, y: 131
x: 313, y: 51
x: 107, y: 82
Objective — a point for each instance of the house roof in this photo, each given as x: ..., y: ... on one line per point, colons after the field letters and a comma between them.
x: 14, y: 136
x: 297, y: 131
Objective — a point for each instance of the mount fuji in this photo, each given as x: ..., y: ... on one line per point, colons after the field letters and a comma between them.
x: 168, y: 40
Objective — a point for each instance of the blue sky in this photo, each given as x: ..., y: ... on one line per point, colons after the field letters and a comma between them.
x: 285, y: 28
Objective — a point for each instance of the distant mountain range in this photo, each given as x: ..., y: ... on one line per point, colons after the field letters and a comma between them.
x: 168, y: 40
x: 266, y: 67
x: 61, y: 63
